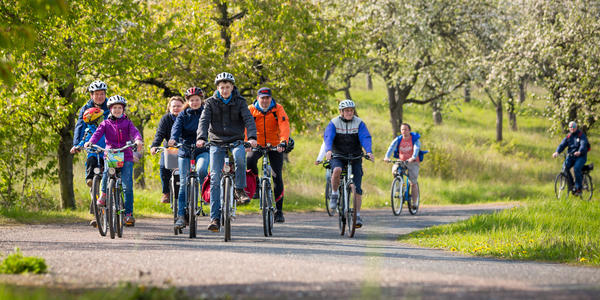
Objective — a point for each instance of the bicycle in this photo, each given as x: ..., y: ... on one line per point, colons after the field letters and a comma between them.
x: 563, y: 184
x: 327, y: 167
x: 400, y: 191
x: 98, y: 212
x: 228, y: 203
x: 265, y: 190
x: 347, y: 212
x: 114, y: 208
x: 173, y: 192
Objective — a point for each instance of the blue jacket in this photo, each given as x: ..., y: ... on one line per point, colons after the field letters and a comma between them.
x: 185, y: 128
x: 87, y: 135
x: 416, y: 147
x: 347, y: 137
x: 575, y: 142
x: 80, y: 125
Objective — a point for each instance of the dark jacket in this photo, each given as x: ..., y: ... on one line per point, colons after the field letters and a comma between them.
x: 347, y: 137
x: 80, y: 125
x: 225, y: 123
x: 577, y: 141
x: 184, y: 129
x: 163, y: 132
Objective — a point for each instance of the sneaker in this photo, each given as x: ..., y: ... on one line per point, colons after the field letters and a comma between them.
x: 215, y: 225
x: 333, y: 200
x: 165, y: 198
x: 129, y: 220
x: 359, y: 222
x: 101, y: 200
x: 241, y: 196
x: 93, y: 223
x: 180, y: 223
x: 279, y: 217
x: 88, y: 182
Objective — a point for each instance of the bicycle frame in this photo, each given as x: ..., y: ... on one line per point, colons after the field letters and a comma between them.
x: 266, y: 201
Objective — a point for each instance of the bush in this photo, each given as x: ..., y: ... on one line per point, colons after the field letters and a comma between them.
x: 16, y: 263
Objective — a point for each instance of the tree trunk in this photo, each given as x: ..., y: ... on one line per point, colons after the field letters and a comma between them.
x: 347, y: 94
x: 396, y: 111
x: 522, y: 90
x: 65, y: 163
x: 512, y: 116
x: 437, y: 112
x: 467, y: 93
x: 369, y: 81
x: 499, y: 111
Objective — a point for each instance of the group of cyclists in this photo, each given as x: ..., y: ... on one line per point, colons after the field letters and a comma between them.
x: 222, y: 119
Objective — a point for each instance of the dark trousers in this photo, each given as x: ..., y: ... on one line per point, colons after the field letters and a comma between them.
x: 577, y: 164
x: 276, y: 160
x: 90, y: 164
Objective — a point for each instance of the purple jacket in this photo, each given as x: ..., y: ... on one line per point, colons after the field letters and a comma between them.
x: 117, y: 133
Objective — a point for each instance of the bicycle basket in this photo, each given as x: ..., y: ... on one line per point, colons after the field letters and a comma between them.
x: 170, y: 156
x: 115, y: 159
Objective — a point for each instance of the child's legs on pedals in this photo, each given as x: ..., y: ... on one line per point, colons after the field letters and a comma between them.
x: 127, y: 180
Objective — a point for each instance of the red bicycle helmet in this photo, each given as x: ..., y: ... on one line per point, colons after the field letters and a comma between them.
x: 194, y: 91
x: 92, y: 114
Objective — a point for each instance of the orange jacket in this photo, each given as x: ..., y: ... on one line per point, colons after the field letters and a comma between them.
x: 272, y: 127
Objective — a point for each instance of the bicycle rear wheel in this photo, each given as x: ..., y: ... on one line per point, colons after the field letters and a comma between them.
x: 561, y: 186
x: 587, y: 187
x: 110, y: 208
x: 119, y: 209
x: 396, y: 195
x: 330, y: 211
x: 351, y: 211
x: 192, y: 202
x: 227, y: 199
x: 413, y: 209
x: 99, y: 212
x: 264, y: 206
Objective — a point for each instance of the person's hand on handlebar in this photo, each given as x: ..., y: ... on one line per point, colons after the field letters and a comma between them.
x: 412, y: 159
x: 370, y: 156
x: 153, y: 150
x: 171, y: 143
x: 555, y: 155
x: 386, y: 159
x: 75, y: 149
x: 281, y: 147
x: 140, y: 145
x: 199, y: 143
x: 87, y: 144
x: 253, y: 143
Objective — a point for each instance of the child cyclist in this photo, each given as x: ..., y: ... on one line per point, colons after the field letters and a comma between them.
x: 118, y: 130
x: 347, y: 134
x: 223, y: 121
x: 184, y: 130
x: 163, y: 132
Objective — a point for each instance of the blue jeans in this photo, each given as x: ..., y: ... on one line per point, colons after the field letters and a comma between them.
x: 217, y: 159
x: 184, y: 168
x: 127, y: 181
x: 577, y: 164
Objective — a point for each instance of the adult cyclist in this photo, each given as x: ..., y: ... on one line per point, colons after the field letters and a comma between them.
x: 347, y: 135
x: 577, y: 146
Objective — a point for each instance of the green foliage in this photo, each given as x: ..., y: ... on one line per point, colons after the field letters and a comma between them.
x: 16, y: 263
x: 542, y: 229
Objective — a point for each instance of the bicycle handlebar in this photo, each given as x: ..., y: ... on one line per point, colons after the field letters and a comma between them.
x: 347, y: 157
x: 112, y: 150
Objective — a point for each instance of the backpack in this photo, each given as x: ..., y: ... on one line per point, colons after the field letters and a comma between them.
x: 250, y: 186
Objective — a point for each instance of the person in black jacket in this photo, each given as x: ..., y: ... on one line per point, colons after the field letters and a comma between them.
x: 223, y: 121
x: 577, y: 146
x: 163, y: 133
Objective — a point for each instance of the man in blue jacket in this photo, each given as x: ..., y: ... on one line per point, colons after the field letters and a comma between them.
x: 347, y: 135
x: 98, y: 99
x: 577, y: 148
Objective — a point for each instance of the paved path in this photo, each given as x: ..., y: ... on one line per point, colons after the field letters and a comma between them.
x: 306, y: 258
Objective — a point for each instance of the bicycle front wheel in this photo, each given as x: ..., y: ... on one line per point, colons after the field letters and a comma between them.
x: 330, y: 211
x: 396, y: 195
x: 192, y: 201
x: 110, y: 208
x: 227, y: 199
x: 119, y: 209
x: 351, y: 211
x: 99, y: 212
x: 341, y: 212
x: 264, y: 206
x: 587, y: 187
x: 561, y: 186
x: 413, y: 208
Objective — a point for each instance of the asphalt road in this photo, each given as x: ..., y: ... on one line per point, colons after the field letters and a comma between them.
x: 305, y: 258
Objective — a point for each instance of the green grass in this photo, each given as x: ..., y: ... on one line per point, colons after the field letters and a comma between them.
x: 542, y: 229
x: 125, y: 292
x: 16, y: 263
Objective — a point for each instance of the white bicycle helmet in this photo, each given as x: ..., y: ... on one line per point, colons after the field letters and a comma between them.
x: 116, y: 99
x: 346, y: 103
x: 97, y: 86
x: 224, y: 77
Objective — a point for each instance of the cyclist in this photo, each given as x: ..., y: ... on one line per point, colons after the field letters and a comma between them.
x: 118, y: 130
x: 97, y: 90
x: 163, y: 132
x: 272, y: 127
x: 577, y: 146
x: 347, y: 134
x: 407, y: 147
x: 184, y: 130
x: 223, y: 121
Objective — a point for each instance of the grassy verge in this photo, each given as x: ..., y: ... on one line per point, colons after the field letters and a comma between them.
x: 129, y: 292
x: 541, y: 229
